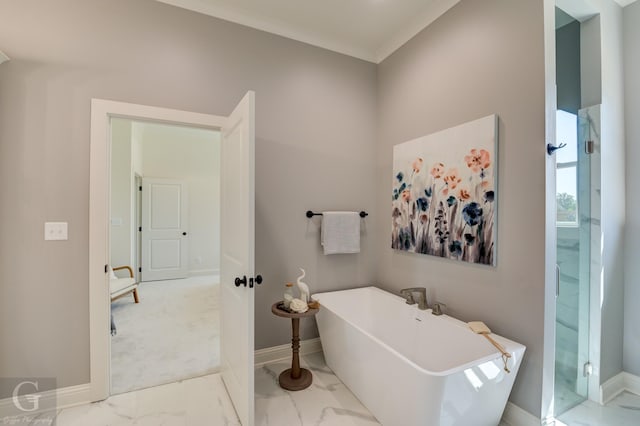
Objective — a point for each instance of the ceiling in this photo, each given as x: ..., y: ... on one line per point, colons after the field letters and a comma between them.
x: 366, y: 29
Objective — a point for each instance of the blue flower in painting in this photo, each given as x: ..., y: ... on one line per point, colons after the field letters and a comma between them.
x: 455, y: 248
x: 423, y: 204
x: 451, y: 200
x: 402, y: 187
x: 428, y: 192
x: 472, y: 213
x: 396, y: 194
x: 405, y: 238
x: 400, y: 176
x: 489, y: 196
x: 469, y: 239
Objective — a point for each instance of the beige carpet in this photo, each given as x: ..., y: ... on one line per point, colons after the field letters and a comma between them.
x: 172, y: 334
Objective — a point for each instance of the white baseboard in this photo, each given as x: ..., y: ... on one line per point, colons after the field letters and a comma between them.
x: 282, y: 352
x: 516, y: 416
x: 617, y: 384
x: 64, y: 398
x: 203, y: 272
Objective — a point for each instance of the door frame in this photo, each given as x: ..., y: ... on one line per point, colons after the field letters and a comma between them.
x: 99, y: 203
x: 137, y: 220
x: 580, y: 10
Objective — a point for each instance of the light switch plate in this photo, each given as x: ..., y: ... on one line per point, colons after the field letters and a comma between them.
x: 56, y: 231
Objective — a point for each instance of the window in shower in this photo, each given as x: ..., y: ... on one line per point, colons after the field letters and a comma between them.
x: 567, y: 169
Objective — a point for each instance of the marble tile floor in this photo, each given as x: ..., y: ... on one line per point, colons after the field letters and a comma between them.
x: 327, y: 402
x: 204, y: 401
x: 623, y: 410
x: 199, y: 402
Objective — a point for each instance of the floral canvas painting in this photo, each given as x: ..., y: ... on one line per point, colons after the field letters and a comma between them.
x: 444, y: 193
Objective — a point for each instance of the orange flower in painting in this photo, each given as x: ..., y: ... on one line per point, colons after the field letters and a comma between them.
x: 478, y: 160
x: 463, y: 194
x: 417, y: 165
x: 452, y: 179
x: 406, y: 195
x: 437, y: 170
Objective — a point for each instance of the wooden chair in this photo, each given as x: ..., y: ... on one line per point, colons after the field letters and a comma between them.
x: 119, y: 287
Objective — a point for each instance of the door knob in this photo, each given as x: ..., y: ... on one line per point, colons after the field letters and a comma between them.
x: 184, y: 233
x: 239, y: 281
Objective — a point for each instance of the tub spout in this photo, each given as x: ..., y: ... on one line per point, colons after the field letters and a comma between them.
x: 408, y: 293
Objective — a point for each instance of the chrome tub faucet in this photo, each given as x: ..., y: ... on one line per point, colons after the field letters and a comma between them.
x: 408, y: 293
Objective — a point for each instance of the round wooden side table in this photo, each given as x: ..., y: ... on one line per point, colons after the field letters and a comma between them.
x: 294, y: 378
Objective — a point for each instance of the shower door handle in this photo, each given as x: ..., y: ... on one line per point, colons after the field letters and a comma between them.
x: 557, y: 281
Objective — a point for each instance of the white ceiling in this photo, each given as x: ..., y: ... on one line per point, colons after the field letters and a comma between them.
x: 367, y: 29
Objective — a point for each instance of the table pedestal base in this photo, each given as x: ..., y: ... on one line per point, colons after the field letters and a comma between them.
x: 289, y: 383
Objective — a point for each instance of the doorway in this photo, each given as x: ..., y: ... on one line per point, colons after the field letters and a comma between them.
x: 165, y: 221
x: 237, y: 192
x: 577, y: 216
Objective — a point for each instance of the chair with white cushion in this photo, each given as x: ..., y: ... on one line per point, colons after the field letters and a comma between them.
x: 119, y: 287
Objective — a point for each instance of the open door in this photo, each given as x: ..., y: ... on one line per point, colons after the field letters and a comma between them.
x: 237, y: 273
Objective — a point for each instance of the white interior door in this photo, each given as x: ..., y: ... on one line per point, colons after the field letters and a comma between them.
x: 237, y: 257
x: 164, y: 229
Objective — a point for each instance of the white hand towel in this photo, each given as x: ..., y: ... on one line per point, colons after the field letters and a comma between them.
x: 341, y: 232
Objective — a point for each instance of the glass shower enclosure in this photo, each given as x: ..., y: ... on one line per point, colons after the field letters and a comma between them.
x: 574, y: 221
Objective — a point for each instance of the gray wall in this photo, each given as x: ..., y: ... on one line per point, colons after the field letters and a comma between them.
x: 316, y: 113
x: 478, y: 59
x: 568, y: 65
x: 631, y: 361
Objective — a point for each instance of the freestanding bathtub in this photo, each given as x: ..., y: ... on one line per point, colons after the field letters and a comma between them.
x: 409, y: 367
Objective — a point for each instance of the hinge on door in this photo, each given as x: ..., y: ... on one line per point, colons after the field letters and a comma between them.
x: 140, y: 269
x: 106, y: 268
x: 587, y: 369
x: 139, y: 228
x: 588, y: 147
x: 140, y: 188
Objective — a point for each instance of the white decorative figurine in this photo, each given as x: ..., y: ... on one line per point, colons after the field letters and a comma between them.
x: 303, y: 287
x: 298, y: 306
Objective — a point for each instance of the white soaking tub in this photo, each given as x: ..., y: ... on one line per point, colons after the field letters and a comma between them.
x: 409, y: 367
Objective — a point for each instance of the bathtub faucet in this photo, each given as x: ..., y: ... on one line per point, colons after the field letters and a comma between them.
x: 408, y: 293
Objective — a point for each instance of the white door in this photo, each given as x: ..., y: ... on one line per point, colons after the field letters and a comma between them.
x: 237, y: 257
x: 164, y: 229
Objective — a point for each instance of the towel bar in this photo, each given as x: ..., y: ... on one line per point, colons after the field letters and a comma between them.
x: 310, y: 214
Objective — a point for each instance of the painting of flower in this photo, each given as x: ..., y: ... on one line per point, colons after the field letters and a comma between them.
x: 444, y: 193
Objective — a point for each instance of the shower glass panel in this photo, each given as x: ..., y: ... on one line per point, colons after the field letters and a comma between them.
x: 573, y: 218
